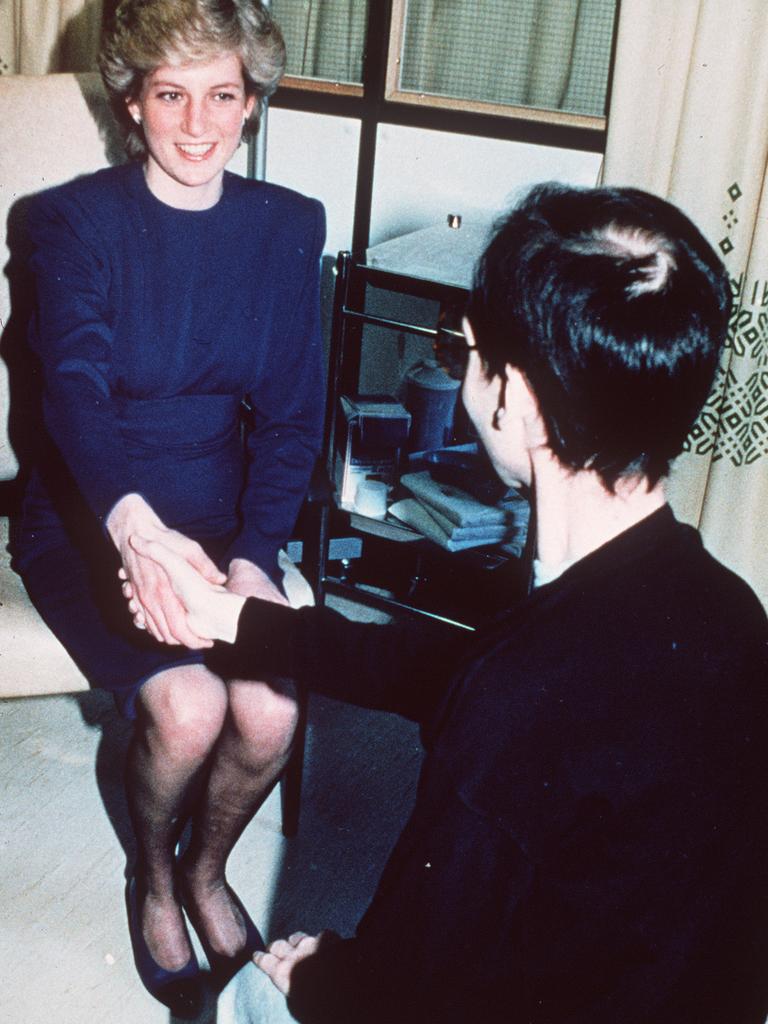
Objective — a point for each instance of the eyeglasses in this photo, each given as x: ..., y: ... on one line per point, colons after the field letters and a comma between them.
x: 452, y: 350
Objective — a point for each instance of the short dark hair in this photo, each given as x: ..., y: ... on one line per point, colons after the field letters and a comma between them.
x: 615, y: 308
x: 145, y: 34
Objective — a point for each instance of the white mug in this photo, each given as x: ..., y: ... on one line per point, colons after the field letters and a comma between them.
x: 371, y: 498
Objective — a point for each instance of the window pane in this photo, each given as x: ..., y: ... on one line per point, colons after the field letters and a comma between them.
x: 544, y: 54
x: 324, y: 38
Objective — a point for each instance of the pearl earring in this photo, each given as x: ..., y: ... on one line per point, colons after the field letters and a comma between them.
x: 137, y: 118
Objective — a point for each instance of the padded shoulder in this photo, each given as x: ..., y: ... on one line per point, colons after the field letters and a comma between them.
x: 91, y: 205
x: 291, y: 210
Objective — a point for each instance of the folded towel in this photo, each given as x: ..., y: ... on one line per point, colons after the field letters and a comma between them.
x: 454, y: 504
x: 416, y: 515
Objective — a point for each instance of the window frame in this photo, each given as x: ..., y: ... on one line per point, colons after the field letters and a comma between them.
x: 323, y: 85
x: 394, y: 93
x: 370, y: 106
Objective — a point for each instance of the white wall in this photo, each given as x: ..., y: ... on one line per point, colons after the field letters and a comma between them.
x: 420, y: 176
x: 317, y: 155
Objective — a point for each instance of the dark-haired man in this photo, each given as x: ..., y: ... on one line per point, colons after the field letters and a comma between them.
x: 589, y: 842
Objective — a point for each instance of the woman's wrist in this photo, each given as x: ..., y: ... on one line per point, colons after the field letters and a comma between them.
x: 125, y: 517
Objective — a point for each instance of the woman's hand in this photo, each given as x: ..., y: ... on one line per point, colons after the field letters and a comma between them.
x: 210, y: 610
x: 147, y: 586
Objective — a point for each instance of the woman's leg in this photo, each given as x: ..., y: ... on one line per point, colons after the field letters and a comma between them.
x: 250, y: 756
x: 181, y: 712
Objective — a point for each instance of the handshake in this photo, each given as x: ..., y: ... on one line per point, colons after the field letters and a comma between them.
x: 174, y: 590
x: 209, y: 601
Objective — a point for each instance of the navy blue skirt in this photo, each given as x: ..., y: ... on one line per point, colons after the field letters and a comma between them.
x: 83, y: 604
x: 190, y: 458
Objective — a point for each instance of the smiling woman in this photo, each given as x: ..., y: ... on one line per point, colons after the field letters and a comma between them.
x: 193, y: 117
x: 169, y: 292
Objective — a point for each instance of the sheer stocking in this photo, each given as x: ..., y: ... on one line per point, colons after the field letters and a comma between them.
x: 250, y: 756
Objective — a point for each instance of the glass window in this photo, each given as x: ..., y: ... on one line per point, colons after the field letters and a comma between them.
x: 536, y: 56
x: 325, y: 40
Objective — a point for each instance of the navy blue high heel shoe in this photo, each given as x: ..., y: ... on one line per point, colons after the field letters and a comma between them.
x: 223, y: 967
x: 179, y: 990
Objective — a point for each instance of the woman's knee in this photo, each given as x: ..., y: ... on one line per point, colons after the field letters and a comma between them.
x: 264, y: 714
x: 182, y: 711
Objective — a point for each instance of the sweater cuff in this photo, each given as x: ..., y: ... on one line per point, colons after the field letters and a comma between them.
x: 333, y: 987
x: 265, y: 642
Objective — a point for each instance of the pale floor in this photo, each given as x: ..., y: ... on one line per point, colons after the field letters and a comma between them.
x: 65, y: 957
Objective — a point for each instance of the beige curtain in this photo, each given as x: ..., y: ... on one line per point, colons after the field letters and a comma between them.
x: 324, y: 38
x: 689, y: 121
x: 538, y: 53
x: 42, y: 36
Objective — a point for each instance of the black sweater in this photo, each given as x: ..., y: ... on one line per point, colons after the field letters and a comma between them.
x: 589, y: 841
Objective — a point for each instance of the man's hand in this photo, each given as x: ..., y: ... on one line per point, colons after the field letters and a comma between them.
x: 146, y: 583
x: 248, y: 580
x: 210, y: 611
x: 283, y: 955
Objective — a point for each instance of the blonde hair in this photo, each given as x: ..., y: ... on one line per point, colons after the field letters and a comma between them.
x: 146, y: 34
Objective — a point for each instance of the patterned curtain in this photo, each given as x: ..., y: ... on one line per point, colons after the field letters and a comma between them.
x: 38, y: 37
x: 688, y: 120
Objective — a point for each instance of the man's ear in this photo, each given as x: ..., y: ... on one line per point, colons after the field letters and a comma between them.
x: 469, y: 332
x: 521, y: 396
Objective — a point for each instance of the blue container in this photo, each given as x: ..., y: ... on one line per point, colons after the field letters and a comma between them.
x: 430, y: 398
